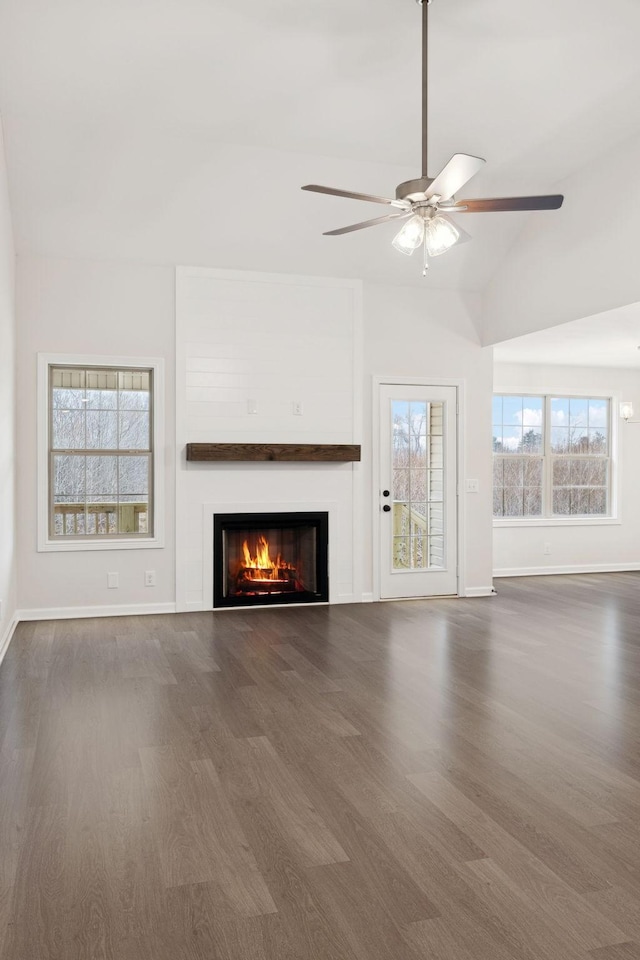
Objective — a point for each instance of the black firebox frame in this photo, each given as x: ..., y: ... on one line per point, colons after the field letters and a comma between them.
x: 241, y: 521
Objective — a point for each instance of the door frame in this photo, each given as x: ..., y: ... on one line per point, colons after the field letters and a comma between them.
x: 398, y: 381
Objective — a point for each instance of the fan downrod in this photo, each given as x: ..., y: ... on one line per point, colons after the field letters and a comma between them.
x: 416, y: 189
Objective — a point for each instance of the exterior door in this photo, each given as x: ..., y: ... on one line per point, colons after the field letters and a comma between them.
x: 418, y: 484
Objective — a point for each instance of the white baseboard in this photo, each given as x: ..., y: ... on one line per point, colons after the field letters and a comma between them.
x: 479, y: 592
x: 573, y: 568
x: 78, y: 613
x: 191, y: 606
x: 196, y: 606
x: 5, y: 639
x: 367, y: 598
x: 346, y: 598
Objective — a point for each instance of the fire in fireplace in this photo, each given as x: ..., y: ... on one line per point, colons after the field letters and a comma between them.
x: 270, y: 558
x: 261, y: 574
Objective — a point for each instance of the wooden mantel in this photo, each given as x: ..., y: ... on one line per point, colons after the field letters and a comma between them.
x: 317, y: 452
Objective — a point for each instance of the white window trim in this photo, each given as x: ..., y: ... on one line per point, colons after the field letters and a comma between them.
x: 555, y: 522
x: 612, y: 519
x: 45, y: 543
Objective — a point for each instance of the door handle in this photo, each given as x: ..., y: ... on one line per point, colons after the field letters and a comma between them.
x: 385, y: 493
x: 387, y: 508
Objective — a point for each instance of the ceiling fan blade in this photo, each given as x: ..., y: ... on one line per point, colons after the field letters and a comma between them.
x: 503, y: 204
x: 366, y: 223
x: 457, y: 172
x: 315, y: 188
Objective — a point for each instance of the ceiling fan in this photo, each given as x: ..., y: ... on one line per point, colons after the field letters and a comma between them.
x: 425, y: 202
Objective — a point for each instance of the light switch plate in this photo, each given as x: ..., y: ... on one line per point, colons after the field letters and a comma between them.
x: 472, y: 486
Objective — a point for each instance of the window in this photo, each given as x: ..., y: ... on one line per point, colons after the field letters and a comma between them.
x: 551, y: 456
x: 101, y: 488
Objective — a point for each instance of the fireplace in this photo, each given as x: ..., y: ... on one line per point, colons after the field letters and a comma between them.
x: 270, y: 558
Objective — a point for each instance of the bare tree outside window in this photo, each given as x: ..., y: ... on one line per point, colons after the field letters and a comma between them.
x: 100, y: 452
x: 580, y: 456
x: 551, y: 456
x: 518, y: 441
x: 418, y: 484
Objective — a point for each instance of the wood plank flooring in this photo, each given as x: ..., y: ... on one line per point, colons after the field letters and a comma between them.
x: 446, y: 779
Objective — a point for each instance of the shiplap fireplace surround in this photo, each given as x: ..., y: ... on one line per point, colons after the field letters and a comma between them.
x: 276, y: 345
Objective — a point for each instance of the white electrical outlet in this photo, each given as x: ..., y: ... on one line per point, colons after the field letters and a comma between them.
x: 297, y: 408
x: 112, y: 581
x: 149, y: 578
x: 546, y: 549
x: 252, y: 407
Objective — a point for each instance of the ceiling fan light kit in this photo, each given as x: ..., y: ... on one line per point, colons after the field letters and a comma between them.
x: 409, y: 237
x: 425, y: 201
x: 440, y: 234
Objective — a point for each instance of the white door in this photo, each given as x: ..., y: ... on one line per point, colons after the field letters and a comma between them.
x: 418, y: 482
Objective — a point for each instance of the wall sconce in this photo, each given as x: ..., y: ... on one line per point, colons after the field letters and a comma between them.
x: 626, y: 411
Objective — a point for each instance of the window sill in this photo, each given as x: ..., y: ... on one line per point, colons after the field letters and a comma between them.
x: 555, y: 522
x: 65, y: 546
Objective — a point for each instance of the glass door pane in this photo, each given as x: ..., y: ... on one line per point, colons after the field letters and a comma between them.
x: 417, y: 451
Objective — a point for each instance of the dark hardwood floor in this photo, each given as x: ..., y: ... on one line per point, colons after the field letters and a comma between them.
x: 448, y: 779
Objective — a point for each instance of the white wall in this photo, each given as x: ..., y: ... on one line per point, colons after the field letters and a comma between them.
x: 272, y: 339
x: 614, y: 546
x: 576, y: 261
x: 93, y: 307
x: 229, y: 350
x: 8, y: 564
x: 431, y: 333
x: 84, y: 307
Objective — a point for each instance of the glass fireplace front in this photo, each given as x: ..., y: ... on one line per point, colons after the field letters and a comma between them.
x: 269, y: 558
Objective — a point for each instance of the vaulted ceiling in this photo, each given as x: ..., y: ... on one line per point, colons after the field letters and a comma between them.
x: 181, y: 130
x: 610, y: 339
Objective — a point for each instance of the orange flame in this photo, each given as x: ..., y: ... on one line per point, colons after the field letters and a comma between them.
x: 262, y: 566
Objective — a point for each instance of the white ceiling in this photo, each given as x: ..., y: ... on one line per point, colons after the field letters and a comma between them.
x: 181, y: 130
x: 610, y: 339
